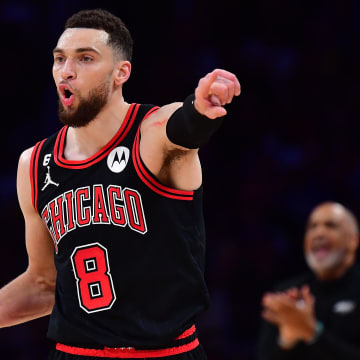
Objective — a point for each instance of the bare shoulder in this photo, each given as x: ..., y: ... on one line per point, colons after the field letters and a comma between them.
x: 159, y: 118
x: 23, y: 179
x: 153, y: 132
x: 25, y: 157
x: 24, y: 163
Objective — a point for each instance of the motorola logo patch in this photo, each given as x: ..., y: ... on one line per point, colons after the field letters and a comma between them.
x: 118, y: 159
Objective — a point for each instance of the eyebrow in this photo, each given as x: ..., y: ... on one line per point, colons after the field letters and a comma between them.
x: 78, y: 50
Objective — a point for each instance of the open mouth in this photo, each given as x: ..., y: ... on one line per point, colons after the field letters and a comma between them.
x: 67, y: 97
x: 321, y: 251
x: 67, y: 93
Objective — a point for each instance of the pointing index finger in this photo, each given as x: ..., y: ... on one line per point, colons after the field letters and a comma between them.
x: 206, y: 82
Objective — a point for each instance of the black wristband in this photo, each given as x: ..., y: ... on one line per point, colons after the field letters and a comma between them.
x: 188, y: 128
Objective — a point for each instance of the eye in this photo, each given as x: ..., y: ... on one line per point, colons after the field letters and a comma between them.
x: 59, y: 59
x: 86, y: 58
x: 331, y: 225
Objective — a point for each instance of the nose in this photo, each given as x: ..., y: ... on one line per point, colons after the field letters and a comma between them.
x: 68, y: 71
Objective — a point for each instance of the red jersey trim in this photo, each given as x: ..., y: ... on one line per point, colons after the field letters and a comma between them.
x: 132, y: 353
x: 117, y: 138
x: 152, y: 110
x: 126, y: 353
x: 34, y: 172
x: 187, y: 333
x: 150, y: 181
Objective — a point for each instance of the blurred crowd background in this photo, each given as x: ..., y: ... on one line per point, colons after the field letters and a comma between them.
x: 289, y: 142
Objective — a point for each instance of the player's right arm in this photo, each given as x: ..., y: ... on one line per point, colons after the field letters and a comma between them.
x: 31, y: 294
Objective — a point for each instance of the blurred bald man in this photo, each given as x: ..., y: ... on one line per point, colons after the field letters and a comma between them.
x: 317, y: 315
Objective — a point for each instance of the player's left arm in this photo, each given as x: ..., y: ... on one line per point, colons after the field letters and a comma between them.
x: 171, y: 137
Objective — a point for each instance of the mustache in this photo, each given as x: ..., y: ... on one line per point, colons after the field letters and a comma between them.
x: 64, y: 82
x: 72, y: 89
x: 87, y: 109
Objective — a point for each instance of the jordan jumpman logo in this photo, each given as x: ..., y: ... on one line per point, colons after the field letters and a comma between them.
x: 48, y: 180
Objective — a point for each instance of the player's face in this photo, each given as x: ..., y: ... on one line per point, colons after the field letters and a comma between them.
x: 328, y: 239
x: 83, y: 73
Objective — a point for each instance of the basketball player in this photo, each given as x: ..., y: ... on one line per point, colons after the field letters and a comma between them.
x: 113, y: 207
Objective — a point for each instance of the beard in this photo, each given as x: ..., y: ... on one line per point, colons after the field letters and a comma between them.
x: 333, y: 260
x: 88, y: 108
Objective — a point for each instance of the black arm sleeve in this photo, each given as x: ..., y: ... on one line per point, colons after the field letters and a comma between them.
x: 188, y: 128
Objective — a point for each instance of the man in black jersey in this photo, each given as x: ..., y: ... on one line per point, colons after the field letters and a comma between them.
x: 317, y: 315
x: 113, y: 207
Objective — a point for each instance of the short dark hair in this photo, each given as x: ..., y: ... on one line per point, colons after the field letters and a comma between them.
x: 119, y: 36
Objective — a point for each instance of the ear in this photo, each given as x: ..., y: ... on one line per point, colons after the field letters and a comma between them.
x: 122, y: 72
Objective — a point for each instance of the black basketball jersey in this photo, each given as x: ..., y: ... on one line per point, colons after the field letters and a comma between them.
x: 129, y: 251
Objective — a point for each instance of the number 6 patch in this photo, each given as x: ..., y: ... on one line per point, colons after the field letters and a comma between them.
x: 93, y: 279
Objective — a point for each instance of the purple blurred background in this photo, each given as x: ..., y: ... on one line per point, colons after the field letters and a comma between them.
x: 289, y: 142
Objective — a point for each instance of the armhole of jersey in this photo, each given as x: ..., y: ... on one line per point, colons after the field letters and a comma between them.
x: 34, y: 172
x: 148, y: 178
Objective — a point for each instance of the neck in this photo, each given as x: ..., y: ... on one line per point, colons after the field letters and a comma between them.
x: 83, y: 142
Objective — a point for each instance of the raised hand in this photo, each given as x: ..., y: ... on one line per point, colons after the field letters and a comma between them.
x: 293, y: 312
x: 215, y: 90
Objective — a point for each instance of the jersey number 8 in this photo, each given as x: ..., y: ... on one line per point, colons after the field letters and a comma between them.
x: 93, y: 279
